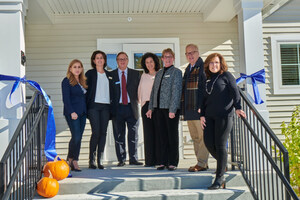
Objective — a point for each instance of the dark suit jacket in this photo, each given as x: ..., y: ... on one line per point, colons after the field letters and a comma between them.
x: 73, y: 98
x: 133, y: 80
x: 91, y: 76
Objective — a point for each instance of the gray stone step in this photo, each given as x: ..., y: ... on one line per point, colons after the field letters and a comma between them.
x: 138, y: 182
x: 237, y: 193
x: 130, y: 178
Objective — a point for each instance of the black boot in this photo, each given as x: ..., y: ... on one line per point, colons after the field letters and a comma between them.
x: 99, y: 161
x: 218, y: 183
x: 92, y: 164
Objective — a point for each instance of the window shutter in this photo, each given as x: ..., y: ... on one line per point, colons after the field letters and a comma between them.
x: 290, y: 64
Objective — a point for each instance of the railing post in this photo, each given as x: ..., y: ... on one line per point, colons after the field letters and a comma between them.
x: 39, y: 160
x: 286, y: 172
x: 232, y: 142
x: 2, y: 179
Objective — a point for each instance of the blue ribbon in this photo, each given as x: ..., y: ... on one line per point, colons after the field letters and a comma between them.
x: 257, y: 76
x: 50, y: 151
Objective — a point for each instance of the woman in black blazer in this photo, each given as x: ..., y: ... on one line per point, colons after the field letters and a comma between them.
x: 99, y: 97
x: 73, y: 93
x: 220, y: 98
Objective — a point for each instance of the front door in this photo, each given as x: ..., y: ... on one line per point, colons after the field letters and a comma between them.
x: 134, y: 48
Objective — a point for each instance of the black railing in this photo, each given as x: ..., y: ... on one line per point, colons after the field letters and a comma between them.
x: 260, y: 156
x: 20, y: 167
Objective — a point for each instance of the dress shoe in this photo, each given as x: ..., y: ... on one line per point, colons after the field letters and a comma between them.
x: 92, y: 166
x: 135, y: 163
x: 74, y: 167
x: 100, y: 166
x: 218, y: 183
x: 172, y: 168
x: 121, y: 164
x: 161, y: 167
x: 197, y: 168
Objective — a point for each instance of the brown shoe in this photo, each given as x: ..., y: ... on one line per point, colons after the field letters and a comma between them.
x: 197, y: 168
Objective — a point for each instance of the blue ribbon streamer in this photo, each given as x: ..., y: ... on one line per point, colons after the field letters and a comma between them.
x: 257, y: 76
x: 50, y: 150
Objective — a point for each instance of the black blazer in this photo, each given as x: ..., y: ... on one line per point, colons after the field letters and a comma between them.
x: 73, y: 98
x: 91, y: 76
x: 133, y: 80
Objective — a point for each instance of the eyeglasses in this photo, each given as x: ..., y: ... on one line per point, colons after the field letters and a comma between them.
x: 122, y: 59
x: 190, y: 53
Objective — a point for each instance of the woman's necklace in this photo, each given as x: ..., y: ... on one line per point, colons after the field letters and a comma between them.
x: 212, y: 86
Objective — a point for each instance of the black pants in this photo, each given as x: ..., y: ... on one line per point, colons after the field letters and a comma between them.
x: 99, y: 117
x: 216, y: 134
x: 169, y: 139
x: 151, y: 137
x: 125, y: 116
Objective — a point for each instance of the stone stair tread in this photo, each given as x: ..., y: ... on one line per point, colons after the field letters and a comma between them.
x: 178, y: 194
x: 138, y: 178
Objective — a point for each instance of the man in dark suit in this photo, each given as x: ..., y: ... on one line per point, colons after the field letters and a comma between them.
x: 125, y: 110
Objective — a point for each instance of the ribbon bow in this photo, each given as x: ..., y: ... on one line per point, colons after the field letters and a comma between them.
x: 257, y: 76
x: 50, y: 151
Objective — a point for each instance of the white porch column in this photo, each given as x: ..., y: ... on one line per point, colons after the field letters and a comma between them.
x: 12, y: 15
x: 251, y: 46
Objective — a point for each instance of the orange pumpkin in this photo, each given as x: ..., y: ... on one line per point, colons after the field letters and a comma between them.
x: 47, y: 186
x: 58, y: 168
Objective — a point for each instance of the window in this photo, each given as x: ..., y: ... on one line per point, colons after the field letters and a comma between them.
x: 286, y: 63
x: 289, y: 54
x: 111, y: 61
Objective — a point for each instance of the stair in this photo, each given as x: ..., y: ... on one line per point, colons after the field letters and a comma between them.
x: 139, y: 183
x: 188, y: 151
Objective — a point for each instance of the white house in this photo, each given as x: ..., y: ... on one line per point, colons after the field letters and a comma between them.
x: 251, y: 34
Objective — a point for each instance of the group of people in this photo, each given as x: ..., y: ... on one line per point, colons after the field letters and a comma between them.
x: 205, y: 96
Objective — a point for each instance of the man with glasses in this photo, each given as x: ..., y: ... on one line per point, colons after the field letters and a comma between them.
x: 193, y: 78
x: 125, y: 110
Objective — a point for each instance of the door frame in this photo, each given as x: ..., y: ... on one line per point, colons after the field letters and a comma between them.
x: 116, y: 45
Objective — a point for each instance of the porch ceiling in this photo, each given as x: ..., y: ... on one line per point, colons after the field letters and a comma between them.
x: 212, y: 10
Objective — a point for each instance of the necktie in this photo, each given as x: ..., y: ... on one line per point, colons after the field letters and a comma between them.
x: 124, y: 90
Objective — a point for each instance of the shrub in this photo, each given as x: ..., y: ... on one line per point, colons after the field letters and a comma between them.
x: 292, y: 144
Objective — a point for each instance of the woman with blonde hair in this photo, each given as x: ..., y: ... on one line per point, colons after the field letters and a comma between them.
x: 73, y: 93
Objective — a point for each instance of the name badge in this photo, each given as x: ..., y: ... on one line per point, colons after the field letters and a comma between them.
x: 117, y: 82
x: 166, y: 76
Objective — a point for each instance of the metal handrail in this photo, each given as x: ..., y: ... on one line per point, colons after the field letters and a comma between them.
x: 260, y: 156
x: 21, y: 164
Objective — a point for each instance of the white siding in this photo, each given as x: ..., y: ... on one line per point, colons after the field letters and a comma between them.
x: 50, y: 48
x: 279, y: 106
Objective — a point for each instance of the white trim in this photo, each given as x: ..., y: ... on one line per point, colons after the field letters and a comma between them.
x: 119, y: 41
x: 276, y: 40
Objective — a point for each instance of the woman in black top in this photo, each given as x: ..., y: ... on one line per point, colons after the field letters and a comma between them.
x: 98, y: 99
x: 221, y: 96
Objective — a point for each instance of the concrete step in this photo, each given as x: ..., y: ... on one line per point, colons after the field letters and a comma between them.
x: 138, y: 182
x: 237, y: 193
x: 131, y: 178
x: 155, y: 180
x: 189, y: 156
